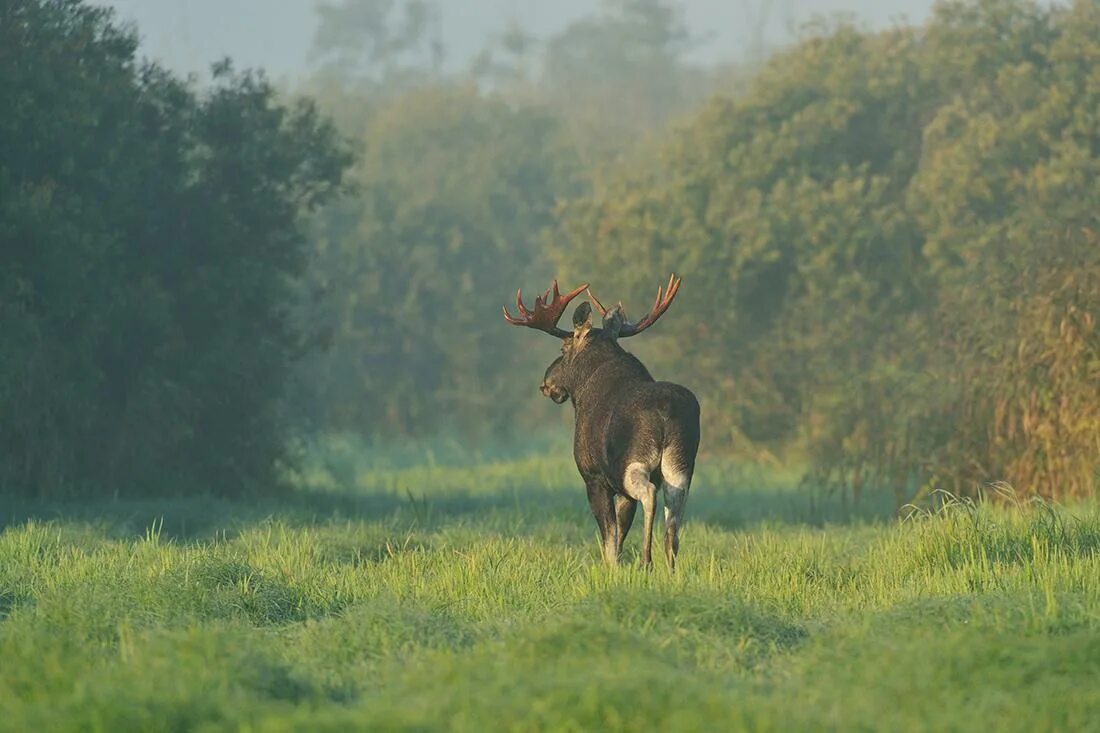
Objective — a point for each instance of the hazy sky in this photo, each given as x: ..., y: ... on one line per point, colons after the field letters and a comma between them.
x: 188, y: 35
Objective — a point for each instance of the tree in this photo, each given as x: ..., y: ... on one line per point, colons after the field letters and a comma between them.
x: 620, y: 74
x: 151, y: 242
x: 378, y: 43
x: 453, y: 190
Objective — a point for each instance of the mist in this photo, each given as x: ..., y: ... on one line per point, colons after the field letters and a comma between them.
x: 189, y: 36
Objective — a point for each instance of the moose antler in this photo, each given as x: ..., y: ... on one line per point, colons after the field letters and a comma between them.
x: 664, y: 299
x: 547, y: 312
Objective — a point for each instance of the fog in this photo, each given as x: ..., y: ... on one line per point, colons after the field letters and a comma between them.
x: 187, y: 36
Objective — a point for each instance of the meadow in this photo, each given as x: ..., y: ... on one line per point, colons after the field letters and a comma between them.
x: 426, y: 592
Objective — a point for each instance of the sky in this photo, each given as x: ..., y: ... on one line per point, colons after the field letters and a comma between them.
x: 188, y: 35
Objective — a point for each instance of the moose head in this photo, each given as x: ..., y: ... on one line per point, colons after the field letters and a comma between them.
x: 631, y: 431
x: 566, y: 372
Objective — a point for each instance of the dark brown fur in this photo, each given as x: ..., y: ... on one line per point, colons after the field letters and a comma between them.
x: 633, y: 434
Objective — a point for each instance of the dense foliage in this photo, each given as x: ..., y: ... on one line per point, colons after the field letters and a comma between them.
x: 452, y: 192
x: 890, y: 252
x: 888, y: 241
x: 150, y: 253
x: 458, y: 179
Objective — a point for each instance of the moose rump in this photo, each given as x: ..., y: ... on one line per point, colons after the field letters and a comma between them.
x: 651, y: 445
x: 634, y: 436
x: 651, y: 440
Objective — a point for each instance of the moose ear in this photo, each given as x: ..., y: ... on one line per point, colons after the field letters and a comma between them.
x: 582, y: 321
x: 613, y: 321
x: 582, y: 315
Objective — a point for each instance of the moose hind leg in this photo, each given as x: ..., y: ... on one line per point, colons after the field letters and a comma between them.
x: 675, y: 484
x: 637, y: 486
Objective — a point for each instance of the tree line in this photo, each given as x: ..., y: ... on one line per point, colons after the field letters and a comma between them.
x: 891, y: 241
x: 888, y: 242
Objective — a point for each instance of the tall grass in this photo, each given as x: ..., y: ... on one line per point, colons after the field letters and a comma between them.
x: 471, y: 598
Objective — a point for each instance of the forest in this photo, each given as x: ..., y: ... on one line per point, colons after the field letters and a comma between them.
x: 888, y: 242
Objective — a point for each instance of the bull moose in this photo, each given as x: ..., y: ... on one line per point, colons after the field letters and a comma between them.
x: 632, y: 433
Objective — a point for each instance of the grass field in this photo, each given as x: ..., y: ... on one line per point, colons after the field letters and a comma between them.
x: 470, y: 598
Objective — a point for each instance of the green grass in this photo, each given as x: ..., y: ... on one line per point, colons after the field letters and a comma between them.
x: 469, y: 597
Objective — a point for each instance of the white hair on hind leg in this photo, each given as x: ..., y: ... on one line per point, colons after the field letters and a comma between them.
x: 637, y: 485
x: 675, y: 495
x: 675, y: 483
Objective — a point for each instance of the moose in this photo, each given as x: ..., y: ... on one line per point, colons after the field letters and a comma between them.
x: 632, y: 433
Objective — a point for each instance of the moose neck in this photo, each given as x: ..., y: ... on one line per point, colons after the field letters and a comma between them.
x: 604, y: 367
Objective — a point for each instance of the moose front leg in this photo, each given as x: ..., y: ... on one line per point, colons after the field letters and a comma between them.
x: 637, y: 485
x: 601, y: 499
